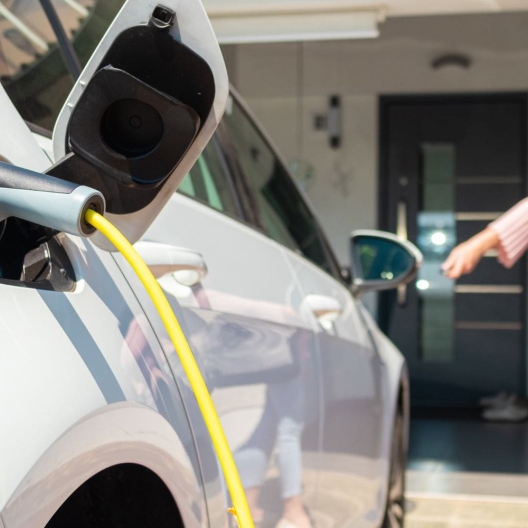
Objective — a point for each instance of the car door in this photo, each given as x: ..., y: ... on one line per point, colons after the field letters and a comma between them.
x: 352, y: 472
x: 240, y: 307
x: 351, y: 482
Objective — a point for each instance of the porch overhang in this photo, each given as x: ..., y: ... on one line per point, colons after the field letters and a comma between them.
x: 253, y: 21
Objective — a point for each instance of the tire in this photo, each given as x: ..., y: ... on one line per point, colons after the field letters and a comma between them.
x: 395, y: 508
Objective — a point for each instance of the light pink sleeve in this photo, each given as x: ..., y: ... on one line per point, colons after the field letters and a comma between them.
x: 512, y: 229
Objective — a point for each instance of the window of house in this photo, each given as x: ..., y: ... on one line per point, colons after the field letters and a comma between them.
x: 283, y: 212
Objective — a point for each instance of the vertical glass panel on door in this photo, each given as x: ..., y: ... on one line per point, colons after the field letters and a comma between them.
x: 436, y: 238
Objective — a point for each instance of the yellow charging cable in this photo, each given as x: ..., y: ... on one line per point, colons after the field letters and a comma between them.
x: 240, y: 505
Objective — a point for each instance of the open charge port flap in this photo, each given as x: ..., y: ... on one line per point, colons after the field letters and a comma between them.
x: 138, y: 116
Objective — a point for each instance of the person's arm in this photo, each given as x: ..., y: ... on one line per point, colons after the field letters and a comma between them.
x: 512, y: 230
x: 465, y: 257
x: 508, y: 234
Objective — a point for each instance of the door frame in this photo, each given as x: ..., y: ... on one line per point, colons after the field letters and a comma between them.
x: 384, y: 104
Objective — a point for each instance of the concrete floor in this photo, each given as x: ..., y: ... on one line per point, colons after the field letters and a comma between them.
x: 445, y: 511
x: 466, y: 473
x: 463, y: 442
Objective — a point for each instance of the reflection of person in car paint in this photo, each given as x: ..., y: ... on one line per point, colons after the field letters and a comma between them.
x: 281, y: 424
x: 219, y: 342
x: 157, y: 385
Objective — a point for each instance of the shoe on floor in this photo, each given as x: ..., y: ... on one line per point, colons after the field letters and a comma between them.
x: 508, y: 413
x: 499, y: 400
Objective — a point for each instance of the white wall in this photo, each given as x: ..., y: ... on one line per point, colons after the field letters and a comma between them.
x: 287, y: 84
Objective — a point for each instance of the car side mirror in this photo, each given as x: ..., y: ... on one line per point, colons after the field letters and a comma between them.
x: 382, y: 261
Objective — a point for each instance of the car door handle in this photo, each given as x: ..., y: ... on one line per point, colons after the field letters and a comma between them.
x: 326, y: 309
x: 187, y: 267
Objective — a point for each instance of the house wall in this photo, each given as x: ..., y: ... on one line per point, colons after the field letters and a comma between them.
x: 288, y: 84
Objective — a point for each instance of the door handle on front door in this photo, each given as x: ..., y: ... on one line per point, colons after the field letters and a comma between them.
x: 187, y: 267
x: 326, y: 309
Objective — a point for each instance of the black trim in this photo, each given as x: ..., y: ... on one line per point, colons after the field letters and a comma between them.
x: 39, y: 130
x: 244, y: 194
x: 66, y: 48
x: 217, y: 144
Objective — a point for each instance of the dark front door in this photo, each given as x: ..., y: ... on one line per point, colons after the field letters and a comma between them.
x: 449, y: 166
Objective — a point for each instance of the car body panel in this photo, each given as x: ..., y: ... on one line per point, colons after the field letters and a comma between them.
x: 254, y: 345
x: 394, y: 391
x: 352, y: 406
x: 92, y: 348
x: 358, y: 374
x: 349, y: 347
x: 113, y: 434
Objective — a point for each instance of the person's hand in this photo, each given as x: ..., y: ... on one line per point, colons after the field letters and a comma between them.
x: 465, y: 257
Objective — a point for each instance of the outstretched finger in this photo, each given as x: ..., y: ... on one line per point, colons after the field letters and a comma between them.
x: 458, y: 269
x: 450, y: 261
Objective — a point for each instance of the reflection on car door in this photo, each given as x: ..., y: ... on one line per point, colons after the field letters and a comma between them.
x: 351, y: 477
x: 243, y: 322
x: 349, y: 482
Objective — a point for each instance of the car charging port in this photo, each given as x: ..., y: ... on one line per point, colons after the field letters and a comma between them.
x: 132, y: 128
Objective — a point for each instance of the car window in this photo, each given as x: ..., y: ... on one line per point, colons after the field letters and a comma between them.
x: 86, y: 23
x: 32, y: 69
x: 282, y: 210
x: 210, y: 183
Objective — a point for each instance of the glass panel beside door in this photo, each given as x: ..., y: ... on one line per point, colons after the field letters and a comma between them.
x: 436, y: 238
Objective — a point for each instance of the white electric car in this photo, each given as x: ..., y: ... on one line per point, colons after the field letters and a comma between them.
x: 99, y: 427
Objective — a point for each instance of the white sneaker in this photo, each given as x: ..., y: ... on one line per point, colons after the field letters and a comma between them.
x: 499, y: 400
x: 508, y: 413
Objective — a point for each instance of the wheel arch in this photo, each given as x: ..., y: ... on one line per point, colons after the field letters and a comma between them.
x: 123, y: 495
x: 121, y: 433
x: 400, y: 394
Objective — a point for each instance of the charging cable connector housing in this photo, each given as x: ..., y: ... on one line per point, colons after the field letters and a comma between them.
x: 48, y: 201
